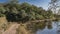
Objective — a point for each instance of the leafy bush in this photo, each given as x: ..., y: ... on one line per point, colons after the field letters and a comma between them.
x: 23, y: 12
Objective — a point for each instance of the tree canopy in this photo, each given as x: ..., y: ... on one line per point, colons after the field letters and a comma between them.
x: 13, y: 11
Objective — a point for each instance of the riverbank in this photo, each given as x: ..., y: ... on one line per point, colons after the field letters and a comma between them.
x: 23, y: 27
x: 44, y: 20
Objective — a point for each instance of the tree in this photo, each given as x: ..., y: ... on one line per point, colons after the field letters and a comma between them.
x: 49, y: 14
x: 54, y: 4
x: 13, y: 1
x: 23, y: 12
x: 2, y: 11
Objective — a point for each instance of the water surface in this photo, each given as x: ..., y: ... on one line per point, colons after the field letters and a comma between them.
x: 52, y: 27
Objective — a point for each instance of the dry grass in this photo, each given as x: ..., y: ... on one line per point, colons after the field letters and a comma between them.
x: 22, y: 29
x: 2, y: 20
x: 4, y: 25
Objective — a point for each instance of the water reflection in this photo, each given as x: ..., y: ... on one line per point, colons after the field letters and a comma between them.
x: 50, y: 27
x: 43, y: 25
x: 39, y: 25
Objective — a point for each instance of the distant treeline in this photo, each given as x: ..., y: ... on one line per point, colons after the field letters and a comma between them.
x: 13, y: 11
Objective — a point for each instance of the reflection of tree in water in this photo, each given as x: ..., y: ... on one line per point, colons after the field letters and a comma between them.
x: 41, y: 25
x: 49, y: 25
x: 58, y: 27
x: 34, y: 26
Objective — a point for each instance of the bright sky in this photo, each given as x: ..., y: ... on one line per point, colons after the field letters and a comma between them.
x: 39, y: 3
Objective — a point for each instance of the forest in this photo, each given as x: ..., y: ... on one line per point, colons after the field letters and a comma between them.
x: 15, y: 11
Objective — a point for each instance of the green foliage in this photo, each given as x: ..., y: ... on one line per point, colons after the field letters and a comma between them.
x: 39, y: 17
x: 2, y: 11
x: 1, y: 15
x: 23, y: 12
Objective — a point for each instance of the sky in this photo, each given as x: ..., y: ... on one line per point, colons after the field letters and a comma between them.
x: 38, y: 3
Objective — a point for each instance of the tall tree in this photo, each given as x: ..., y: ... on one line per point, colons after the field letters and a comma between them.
x: 54, y: 4
x: 14, y: 1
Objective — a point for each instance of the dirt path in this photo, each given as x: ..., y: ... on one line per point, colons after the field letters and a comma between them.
x: 23, y: 30
x: 12, y: 29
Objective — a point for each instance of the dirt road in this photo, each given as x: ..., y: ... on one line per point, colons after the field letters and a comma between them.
x: 12, y: 29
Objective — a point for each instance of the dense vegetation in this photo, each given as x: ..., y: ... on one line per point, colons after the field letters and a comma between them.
x: 14, y: 11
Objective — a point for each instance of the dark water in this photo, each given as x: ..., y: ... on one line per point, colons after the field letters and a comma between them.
x: 52, y: 27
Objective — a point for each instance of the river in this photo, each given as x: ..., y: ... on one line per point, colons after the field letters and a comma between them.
x: 52, y: 27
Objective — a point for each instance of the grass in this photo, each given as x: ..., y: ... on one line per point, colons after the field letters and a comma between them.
x: 23, y: 29
x: 4, y: 25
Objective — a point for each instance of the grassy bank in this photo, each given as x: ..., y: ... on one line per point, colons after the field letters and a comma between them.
x: 25, y: 28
